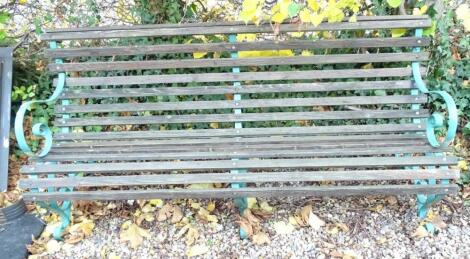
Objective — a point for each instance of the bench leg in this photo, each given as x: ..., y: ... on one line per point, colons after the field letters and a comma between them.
x: 64, y: 211
x: 240, y: 203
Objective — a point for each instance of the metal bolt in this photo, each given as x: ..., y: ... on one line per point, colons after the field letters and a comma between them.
x: 417, y: 113
x: 445, y: 158
x: 233, y: 47
x: 63, y: 108
x: 419, y: 126
x: 234, y: 163
x: 237, y: 103
x: 238, y: 131
x: 419, y: 41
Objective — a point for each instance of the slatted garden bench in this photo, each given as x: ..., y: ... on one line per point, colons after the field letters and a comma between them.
x: 139, y: 118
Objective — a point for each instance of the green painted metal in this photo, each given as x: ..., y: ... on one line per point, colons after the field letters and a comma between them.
x: 42, y: 130
x: 241, y: 203
x: 435, y: 121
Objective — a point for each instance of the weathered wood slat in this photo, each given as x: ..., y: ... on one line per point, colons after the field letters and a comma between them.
x: 243, y: 89
x: 250, y: 103
x: 229, y: 62
x: 241, y: 140
x: 249, y: 132
x: 239, y: 147
x: 225, y: 23
x: 235, y: 153
x: 310, y: 176
x: 332, y: 191
x: 238, y: 46
x: 244, y: 76
x: 369, y: 162
x: 273, y: 116
x: 233, y: 29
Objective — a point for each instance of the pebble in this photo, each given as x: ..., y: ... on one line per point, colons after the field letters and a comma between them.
x: 386, y: 233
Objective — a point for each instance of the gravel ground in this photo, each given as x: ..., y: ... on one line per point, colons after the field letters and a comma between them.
x: 377, y: 229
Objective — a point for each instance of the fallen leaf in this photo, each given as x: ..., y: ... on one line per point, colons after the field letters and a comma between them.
x: 165, y: 212
x: 52, y: 246
x: 133, y: 233
x: 420, y: 232
x: 86, y: 227
x: 252, y: 219
x: 211, y: 206
x: 156, y: 202
x: 177, y: 215
x: 438, y: 222
x: 261, y: 238
x: 113, y: 256
x: 251, y: 201
x: 265, y: 206
x: 204, y: 215
x: 283, y: 228
x: 197, y: 250
x: 315, y: 222
x: 391, y: 200
x: 245, y: 226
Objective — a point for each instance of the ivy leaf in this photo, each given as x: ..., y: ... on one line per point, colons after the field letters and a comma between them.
x: 394, y: 3
x: 293, y: 10
x: 396, y: 33
x: 4, y: 16
x: 430, y: 30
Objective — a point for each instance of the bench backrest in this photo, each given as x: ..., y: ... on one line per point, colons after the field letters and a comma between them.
x: 355, y: 78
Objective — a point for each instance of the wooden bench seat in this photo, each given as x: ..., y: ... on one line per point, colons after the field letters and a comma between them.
x: 139, y: 118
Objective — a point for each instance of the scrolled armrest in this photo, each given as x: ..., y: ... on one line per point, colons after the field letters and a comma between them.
x: 38, y: 129
x: 437, y: 121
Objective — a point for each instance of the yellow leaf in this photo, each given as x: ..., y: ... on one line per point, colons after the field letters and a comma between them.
x: 305, y: 15
x: 316, y: 19
x: 286, y: 53
x: 23, y: 2
x: 199, y: 54
x: 306, y: 53
x: 246, y: 37
x: 113, y: 256
x: 278, y: 17
x: 156, y: 202
x: 297, y: 34
x: 265, y: 206
x: 398, y: 32
x: 133, y: 234
x: 251, y: 201
x: 293, y: 221
x: 367, y: 66
x: 283, y: 228
x: 214, y: 125
x: 197, y: 250
x: 211, y: 206
x: 313, y: 4
x: 463, y: 165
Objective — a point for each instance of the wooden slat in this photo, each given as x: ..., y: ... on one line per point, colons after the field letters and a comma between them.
x: 249, y: 132
x: 332, y: 191
x: 234, y: 29
x: 236, y: 164
x: 237, y: 46
x: 224, y: 23
x: 250, y: 103
x: 229, y: 62
x: 239, y: 147
x: 235, y: 153
x: 310, y: 176
x: 242, y: 89
x: 272, y: 116
x: 241, y: 140
x: 244, y: 76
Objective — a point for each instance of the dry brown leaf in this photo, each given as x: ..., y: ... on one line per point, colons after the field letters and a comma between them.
x: 246, y: 226
x: 265, y: 207
x: 420, y: 232
x: 165, y: 212
x: 252, y: 219
x: 177, y: 215
x: 205, y: 216
x: 438, y: 222
x: 133, y: 234
x: 391, y: 200
x: 261, y: 238
x: 314, y: 221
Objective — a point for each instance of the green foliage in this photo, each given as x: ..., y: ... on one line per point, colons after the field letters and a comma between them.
x: 449, y: 65
x: 394, y: 3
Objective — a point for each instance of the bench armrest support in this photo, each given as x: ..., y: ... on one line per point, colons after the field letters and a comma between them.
x: 39, y: 129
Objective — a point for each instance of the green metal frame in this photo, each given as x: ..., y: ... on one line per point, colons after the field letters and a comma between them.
x: 435, y: 121
x: 42, y: 130
x: 241, y: 203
